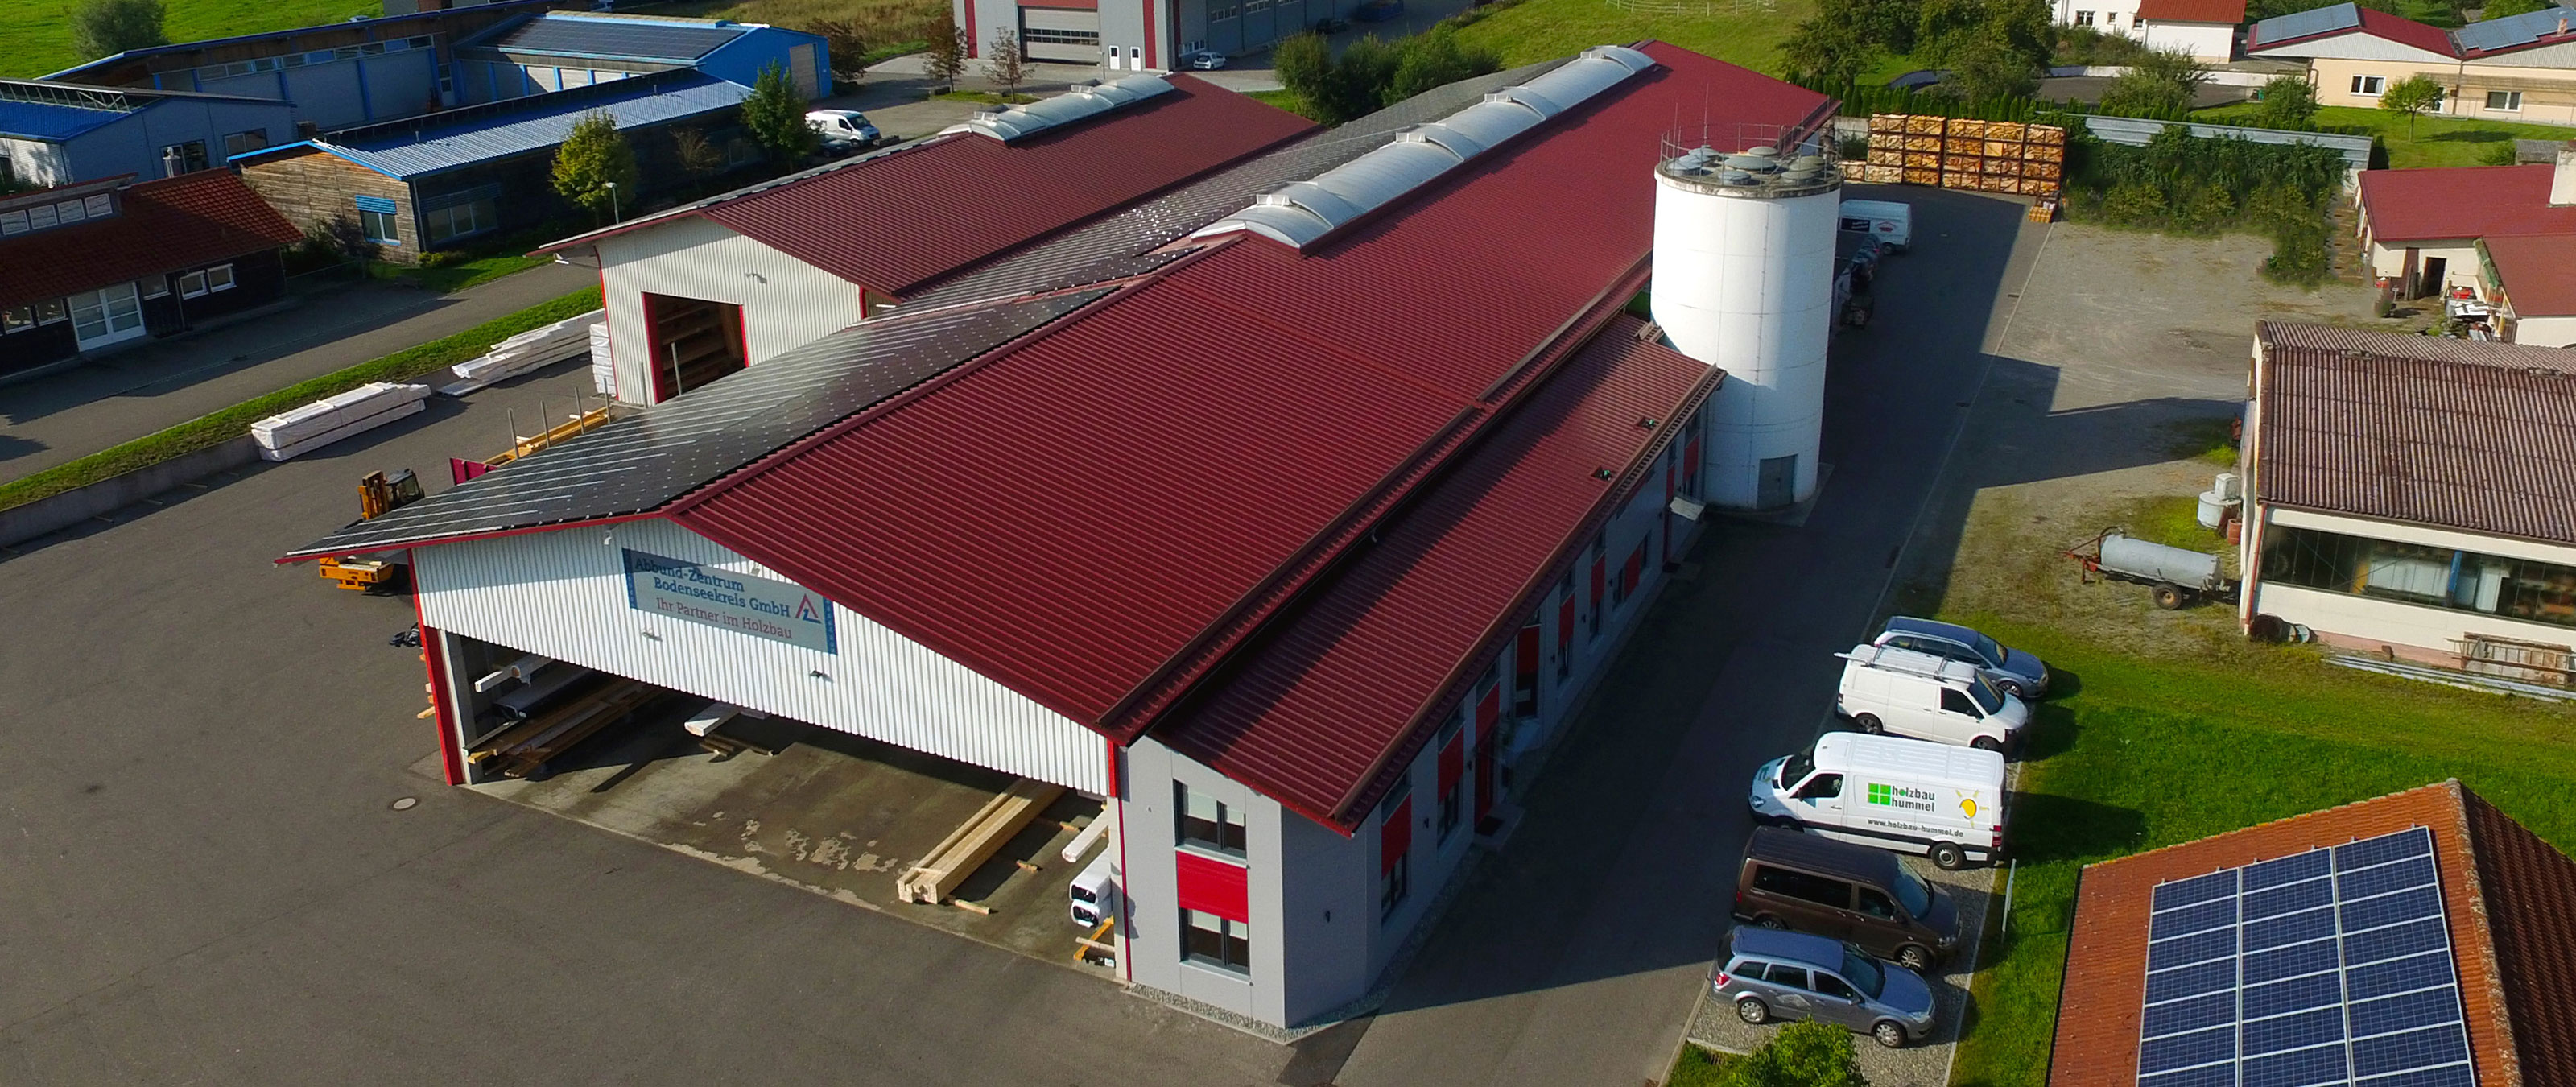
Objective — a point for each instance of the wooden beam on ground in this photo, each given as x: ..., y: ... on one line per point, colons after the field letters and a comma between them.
x: 966, y: 848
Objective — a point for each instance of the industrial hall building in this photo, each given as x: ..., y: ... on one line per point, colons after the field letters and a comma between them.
x: 1286, y: 489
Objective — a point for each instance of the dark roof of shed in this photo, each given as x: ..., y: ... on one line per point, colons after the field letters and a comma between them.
x: 178, y: 222
x: 2426, y: 436
x: 2504, y: 895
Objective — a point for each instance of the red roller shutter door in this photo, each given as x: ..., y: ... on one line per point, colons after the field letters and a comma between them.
x: 1212, y: 886
x: 1487, y: 712
x: 1394, y: 837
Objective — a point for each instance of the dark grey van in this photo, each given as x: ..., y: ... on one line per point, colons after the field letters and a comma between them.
x: 1847, y: 892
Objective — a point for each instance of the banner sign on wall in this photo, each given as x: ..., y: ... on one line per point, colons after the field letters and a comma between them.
x: 759, y: 606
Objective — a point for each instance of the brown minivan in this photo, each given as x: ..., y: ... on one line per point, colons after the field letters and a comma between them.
x: 1848, y: 892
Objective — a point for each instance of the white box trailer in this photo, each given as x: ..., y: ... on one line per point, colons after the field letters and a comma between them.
x: 1890, y: 222
x: 1908, y: 796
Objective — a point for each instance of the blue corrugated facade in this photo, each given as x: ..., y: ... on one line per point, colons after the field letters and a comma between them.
x: 49, y: 143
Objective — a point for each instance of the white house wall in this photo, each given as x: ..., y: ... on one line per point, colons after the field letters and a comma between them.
x: 36, y: 162
x: 2371, y: 619
x: 786, y: 303
x: 563, y: 594
x: 1150, y: 835
x: 2545, y: 331
x: 2357, y: 47
x: 2206, y: 41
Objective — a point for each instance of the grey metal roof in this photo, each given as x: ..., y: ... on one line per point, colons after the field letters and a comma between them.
x: 641, y: 462
x: 445, y: 141
x: 2513, y: 30
x: 1122, y: 244
x: 2425, y: 437
x: 565, y: 34
x: 2135, y: 132
x: 2300, y: 24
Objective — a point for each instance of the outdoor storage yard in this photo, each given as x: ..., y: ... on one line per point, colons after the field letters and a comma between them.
x: 2108, y: 406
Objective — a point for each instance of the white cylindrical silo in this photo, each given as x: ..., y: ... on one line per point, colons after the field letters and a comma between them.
x: 1743, y: 280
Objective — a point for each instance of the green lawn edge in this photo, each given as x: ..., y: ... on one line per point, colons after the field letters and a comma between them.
x: 215, y: 428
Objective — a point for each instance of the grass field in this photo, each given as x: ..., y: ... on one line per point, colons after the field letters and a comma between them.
x: 36, y: 35
x: 1539, y: 30
x: 2134, y: 753
x: 2433, y: 141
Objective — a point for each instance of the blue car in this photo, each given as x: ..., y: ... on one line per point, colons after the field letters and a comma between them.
x: 2019, y: 674
x: 1770, y: 975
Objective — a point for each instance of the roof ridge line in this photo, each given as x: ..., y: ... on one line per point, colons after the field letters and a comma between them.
x: 2318, y: 813
x: 2474, y: 884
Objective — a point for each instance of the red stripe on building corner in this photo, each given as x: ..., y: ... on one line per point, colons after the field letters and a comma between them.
x: 436, y: 662
x: 1395, y: 836
x: 1153, y: 55
x: 1212, y: 886
x: 1453, y: 763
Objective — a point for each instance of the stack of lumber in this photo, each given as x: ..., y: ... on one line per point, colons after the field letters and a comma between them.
x: 603, y: 375
x: 520, y: 749
x: 1964, y: 153
x: 966, y: 848
x: 302, y: 430
x: 564, y: 339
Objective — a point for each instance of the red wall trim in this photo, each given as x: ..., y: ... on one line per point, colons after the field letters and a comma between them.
x: 435, y: 661
x: 974, y: 48
x: 1212, y: 886
x: 1395, y: 836
x: 1453, y: 763
x: 1118, y: 796
x: 1153, y: 46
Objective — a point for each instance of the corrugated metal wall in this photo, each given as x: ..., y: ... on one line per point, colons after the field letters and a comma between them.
x: 785, y: 302
x: 563, y: 594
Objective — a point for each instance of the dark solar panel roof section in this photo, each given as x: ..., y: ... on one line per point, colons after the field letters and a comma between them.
x: 612, y: 38
x: 2331, y: 966
x: 2305, y: 23
x: 1118, y: 245
x: 638, y: 463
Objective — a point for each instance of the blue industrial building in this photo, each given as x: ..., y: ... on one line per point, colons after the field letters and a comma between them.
x: 561, y: 50
x: 58, y: 133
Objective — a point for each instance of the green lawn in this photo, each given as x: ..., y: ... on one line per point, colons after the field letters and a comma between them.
x: 1539, y: 30
x: 450, y: 278
x: 36, y: 35
x: 2432, y: 141
x: 2134, y: 754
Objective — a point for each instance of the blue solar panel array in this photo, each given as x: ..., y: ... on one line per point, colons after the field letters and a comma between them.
x: 2330, y: 967
x: 2511, y: 30
x: 2281, y: 28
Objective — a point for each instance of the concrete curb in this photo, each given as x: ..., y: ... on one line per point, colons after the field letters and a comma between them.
x: 44, y: 516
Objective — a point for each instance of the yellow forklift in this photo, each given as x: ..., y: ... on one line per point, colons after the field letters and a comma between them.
x: 378, y: 495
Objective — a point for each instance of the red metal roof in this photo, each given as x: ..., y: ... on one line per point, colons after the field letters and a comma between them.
x: 1096, y: 517
x: 899, y: 221
x: 2101, y: 1006
x: 1340, y: 692
x: 2536, y: 272
x: 2461, y: 202
x: 2230, y: 12
x: 177, y: 222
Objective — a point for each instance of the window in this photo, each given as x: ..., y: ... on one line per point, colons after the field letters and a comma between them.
x: 2369, y: 86
x: 1833, y: 986
x: 1824, y: 787
x: 461, y: 214
x: 2083, y: 18
x: 53, y: 312
x: 182, y: 158
x: 1206, y: 822
x: 1803, y: 887
x: 245, y: 141
x: 2505, y: 101
x: 1215, y: 941
x: 2538, y: 592
x: 378, y: 226
x: 1631, y: 572
x: 219, y: 278
x: 1394, y: 852
x: 157, y: 287
x: 1877, y: 905
x: 106, y: 315
x: 1956, y: 701
x: 1452, y: 745
x: 1565, y: 626
x: 1599, y: 574
x: 1781, y: 973
x: 2110, y: 20
x: 206, y: 281
x: 1043, y: 36
x: 17, y: 319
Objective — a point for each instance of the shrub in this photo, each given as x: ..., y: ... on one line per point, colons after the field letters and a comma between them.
x: 2414, y: 96
x: 2161, y: 85
x: 2134, y: 204
x: 107, y: 27
x: 595, y: 167
x: 1806, y: 1054
x: 1372, y: 73
x: 2203, y: 209
x: 2288, y: 102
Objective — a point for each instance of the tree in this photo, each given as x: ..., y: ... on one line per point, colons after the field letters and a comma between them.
x: 1828, y: 50
x: 2414, y: 96
x: 842, y: 42
x: 2498, y: 9
x: 774, y: 112
x: 947, y: 49
x: 698, y: 158
x: 1003, y: 61
x: 106, y: 27
x: 2161, y: 84
x: 2289, y: 101
x: 1806, y: 1054
x: 1435, y: 58
x: 1989, y: 68
x: 1304, y: 64
x: 595, y: 167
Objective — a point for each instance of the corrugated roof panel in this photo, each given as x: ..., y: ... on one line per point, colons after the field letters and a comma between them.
x: 543, y: 123
x: 2303, y: 24
x: 53, y: 123
x: 2467, y: 445
x: 2513, y: 30
x: 1347, y: 684
x: 2461, y: 202
x: 949, y: 203
x: 575, y: 35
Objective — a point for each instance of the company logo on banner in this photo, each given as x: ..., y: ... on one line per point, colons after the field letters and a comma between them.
x: 763, y: 607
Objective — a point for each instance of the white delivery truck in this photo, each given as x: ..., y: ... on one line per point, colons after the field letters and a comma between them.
x: 1903, y: 795
x: 1890, y: 222
x: 1912, y: 693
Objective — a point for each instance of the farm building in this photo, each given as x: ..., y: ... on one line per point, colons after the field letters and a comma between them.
x: 2377, y: 515
x: 1228, y: 497
x: 59, y: 133
x: 2513, y: 68
x: 2422, y: 227
x: 91, y: 267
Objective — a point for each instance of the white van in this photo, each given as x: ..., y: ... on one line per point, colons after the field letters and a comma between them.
x: 1902, y: 795
x: 1890, y: 222
x: 1912, y: 693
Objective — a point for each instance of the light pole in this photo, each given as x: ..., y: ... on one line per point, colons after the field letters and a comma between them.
x: 613, y: 216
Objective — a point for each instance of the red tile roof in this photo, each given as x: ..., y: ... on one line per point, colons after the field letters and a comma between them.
x: 2461, y: 202
x: 2419, y: 440
x: 1096, y: 517
x: 179, y: 222
x: 2230, y: 12
x: 896, y: 222
x: 2536, y: 272
x: 1337, y: 697
x: 2101, y: 1003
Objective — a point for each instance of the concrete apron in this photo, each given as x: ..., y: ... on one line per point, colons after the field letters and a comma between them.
x: 829, y: 813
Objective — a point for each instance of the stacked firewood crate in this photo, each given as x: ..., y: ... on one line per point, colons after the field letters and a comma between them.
x: 1960, y: 153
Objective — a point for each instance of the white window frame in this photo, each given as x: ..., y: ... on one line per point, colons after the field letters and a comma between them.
x: 219, y: 278
x: 2083, y: 18
x: 392, y: 226
x: 2369, y: 86
x: 192, y: 285
x: 1230, y: 934
x: 112, y: 325
x: 2514, y: 98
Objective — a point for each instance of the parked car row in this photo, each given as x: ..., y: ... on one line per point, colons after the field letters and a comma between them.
x: 1836, y: 927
